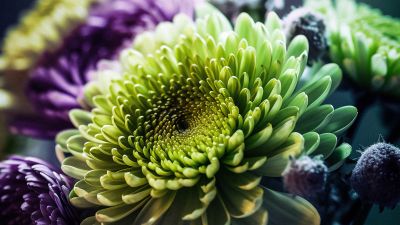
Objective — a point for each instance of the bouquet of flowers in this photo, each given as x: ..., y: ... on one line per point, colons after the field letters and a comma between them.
x: 178, y: 112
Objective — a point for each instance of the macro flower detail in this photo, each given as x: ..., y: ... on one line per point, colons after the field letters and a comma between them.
x: 183, y: 130
x: 302, y: 21
x: 305, y: 176
x: 376, y: 176
x: 56, y: 81
x: 34, y: 192
x: 365, y: 43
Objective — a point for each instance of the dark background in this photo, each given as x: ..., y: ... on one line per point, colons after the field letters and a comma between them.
x: 371, y: 124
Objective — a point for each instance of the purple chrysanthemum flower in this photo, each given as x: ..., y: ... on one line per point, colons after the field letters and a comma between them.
x: 34, y: 192
x: 56, y: 83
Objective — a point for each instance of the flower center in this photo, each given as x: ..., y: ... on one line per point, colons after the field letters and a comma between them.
x: 182, y: 125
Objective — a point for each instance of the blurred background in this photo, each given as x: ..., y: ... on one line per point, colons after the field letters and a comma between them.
x: 374, y: 122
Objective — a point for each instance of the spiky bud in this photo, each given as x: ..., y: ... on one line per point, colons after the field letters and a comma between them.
x: 305, y: 176
x: 376, y: 176
x: 302, y: 21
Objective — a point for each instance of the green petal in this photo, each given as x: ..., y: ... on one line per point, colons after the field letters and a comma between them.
x: 154, y: 209
x: 311, y: 142
x: 260, y: 217
x: 244, y: 181
x: 342, y: 119
x: 338, y: 156
x: 327, y: 143
x: 80, y: 117
x: 277, y: 163
x: 241, y: 203
x: 118, y: 212
x: 135, y: 195
x: 62, y: 137
x: 217, y: 214
x: 286, y: 209
x: 314, y: 118
x: 74, y: 167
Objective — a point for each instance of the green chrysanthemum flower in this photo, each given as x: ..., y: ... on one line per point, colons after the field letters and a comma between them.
x: 363, y: 42
x: 41, y: 29
x: 184, y: 131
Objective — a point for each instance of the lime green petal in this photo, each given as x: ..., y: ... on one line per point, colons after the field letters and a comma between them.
x: 135, y: 195
x: 74, y: 167
x: 277, y: 163
x: 79, y: 117
x: 62, y: 137
x: 80, y: 202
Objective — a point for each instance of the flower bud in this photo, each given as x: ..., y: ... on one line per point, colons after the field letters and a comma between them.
x: 376, y: 176
x: 305, y: 176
